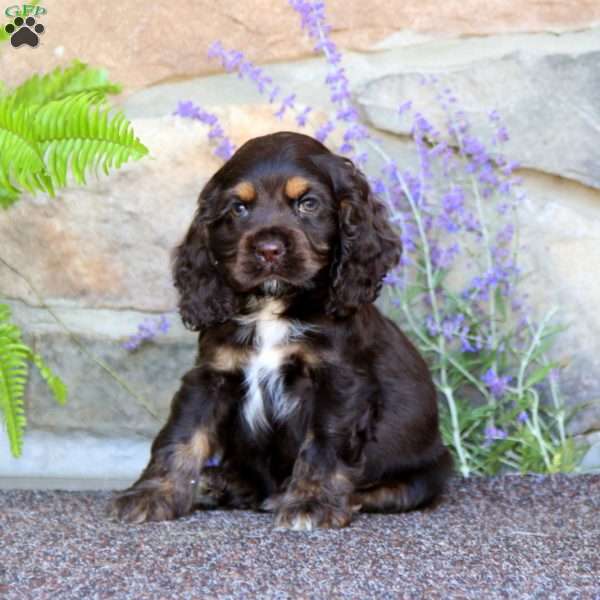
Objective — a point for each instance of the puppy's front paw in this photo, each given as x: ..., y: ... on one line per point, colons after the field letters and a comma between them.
x: 138, y: 505
x: 310, y: 515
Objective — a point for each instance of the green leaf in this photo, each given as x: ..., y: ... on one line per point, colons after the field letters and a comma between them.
x: 60, y: 83
x: 540, y: 374
x: 15, y: 357
x: 41, y: 147
x: 13, y: 376
x: 56, y: 126
x: 7, y: 197
x: 21, y: 160
x: 79, y: 135
x: 55, y: 384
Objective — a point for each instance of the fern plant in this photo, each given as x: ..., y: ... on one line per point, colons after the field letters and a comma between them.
x: 15, y: 359
x: 58, y: 126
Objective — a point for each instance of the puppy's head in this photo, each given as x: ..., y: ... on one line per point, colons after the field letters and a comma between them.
x: 282, y: 215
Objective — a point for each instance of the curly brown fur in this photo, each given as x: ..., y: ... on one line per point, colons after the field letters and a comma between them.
x: 315, y: 404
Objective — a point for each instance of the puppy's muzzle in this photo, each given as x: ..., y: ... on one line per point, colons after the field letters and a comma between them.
x: 269, y: 252
x: 270, y: 248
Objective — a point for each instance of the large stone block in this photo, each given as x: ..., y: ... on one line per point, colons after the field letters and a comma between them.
x: 98, y: 403
x: 142, y: 44
x: 559, y: 227
x: 549, y: 104
x: 108, y: 245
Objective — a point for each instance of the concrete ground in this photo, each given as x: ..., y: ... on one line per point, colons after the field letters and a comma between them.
x: 508, y: 537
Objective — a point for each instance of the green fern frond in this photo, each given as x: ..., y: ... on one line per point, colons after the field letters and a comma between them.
x: 15, y: 357
x: 77, y: 134
x: 54, y: 383
x: 40, y: 146
x: 61, y: 83
x: 57, y: 125
x: 21, y: 159
x: 7, y: 197
x: 13, y: 376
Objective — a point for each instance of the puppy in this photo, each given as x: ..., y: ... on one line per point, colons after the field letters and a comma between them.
x: 312, y: 402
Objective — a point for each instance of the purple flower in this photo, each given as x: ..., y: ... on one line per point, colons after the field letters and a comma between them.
x: 224, y: 147
x: 405, y: 107
x: 494, y: 433
x: 187, y: 110
x: 216, y: 132
x: 442, y: 258
x: 408, y: 235
x: 274, y: 93
x: 393, y: 279
x: 323, y: 132
x: 377, y: 186
x: 522, y: 417
x: 431, y: 326
x: 447, y: 223
x: 465, y: 343
x: 502, y: 134
x: 147, y: 330
x: 452, y: 326
x: 234, y: 60
x: 288, y: 102
x: 495, y: 383
x: 494, y: 116
x: 421, y: 124
x: 505, y: 235
x: 348, y: 113
x: 302, y: 117
x: 313, y: 21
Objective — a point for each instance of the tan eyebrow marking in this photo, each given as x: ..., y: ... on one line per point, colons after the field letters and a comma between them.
x: 296, y: 186
x: 245, y: 191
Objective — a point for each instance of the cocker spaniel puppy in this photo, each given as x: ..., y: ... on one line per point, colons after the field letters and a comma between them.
x: 314, y: 404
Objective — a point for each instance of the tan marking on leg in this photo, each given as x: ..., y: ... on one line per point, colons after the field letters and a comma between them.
x: 245, y: 191
x: 390, y: 497
x: 191, y: 455
x: 296, y: 186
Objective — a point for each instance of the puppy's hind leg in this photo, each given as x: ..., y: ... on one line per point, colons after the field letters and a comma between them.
x: 408, y: 492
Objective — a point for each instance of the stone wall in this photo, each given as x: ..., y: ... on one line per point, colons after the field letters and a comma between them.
x: 100, y: 255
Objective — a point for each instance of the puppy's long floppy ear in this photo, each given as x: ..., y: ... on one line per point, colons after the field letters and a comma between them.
x: 205, y: 299
x: 368, y: 247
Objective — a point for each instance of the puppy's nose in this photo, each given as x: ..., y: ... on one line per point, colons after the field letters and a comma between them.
x: 270, y: 251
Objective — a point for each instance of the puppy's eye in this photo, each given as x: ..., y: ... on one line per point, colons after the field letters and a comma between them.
x: 239, y: 209
x: 308, y: 204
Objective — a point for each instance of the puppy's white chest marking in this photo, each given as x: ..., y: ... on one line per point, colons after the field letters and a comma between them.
x: 263, y: 376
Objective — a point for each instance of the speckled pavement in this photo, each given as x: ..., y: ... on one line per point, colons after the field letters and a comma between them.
x: 509, y: 537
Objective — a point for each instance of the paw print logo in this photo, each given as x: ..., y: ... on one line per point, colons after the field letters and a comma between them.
x: 24, y: 32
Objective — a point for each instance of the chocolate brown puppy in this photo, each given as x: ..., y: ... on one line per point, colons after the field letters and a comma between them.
x: 314, y: 404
